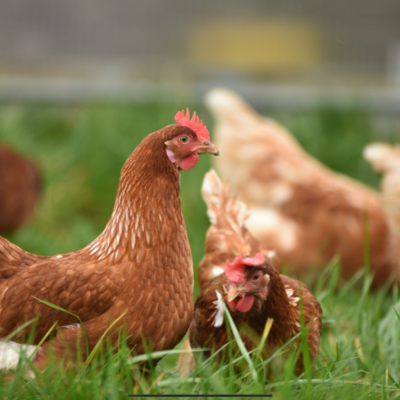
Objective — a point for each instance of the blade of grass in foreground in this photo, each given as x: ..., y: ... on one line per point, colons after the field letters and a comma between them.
x: 22, y: 327
x: 241, y: 346
x: 304, y: 343
x: 161, y: 354
x: 100, y: 341
x: 43, y: 339
x: 264, y: 337
x: 70, y: 313
x: 281, y: 349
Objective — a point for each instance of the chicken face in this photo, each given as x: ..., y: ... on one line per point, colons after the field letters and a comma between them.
x: 241, y: 296
x: 184, y: 149
x: 247, y: 281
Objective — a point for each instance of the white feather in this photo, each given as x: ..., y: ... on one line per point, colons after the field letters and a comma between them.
x: 72, y: 326
x: 217, y: 271
x: 220, y: 306
x: 10, y: 353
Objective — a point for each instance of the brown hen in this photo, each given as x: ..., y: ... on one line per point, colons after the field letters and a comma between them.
x: 139, y: 267
x: 385, y: 159
x: 298, y: 207
x: 251, y: 287
x: 19, y: 189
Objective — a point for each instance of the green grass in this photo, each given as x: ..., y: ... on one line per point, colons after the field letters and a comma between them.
x: 81, y: 150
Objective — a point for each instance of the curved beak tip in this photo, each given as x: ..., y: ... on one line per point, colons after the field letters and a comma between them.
x: 214, y: 150
x: 233, y: 293
x: 209, y: 148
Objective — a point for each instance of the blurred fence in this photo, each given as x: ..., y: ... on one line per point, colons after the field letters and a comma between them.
x: 289, y: 52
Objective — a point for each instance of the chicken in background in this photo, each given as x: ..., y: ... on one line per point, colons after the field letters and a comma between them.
x: 252, y: 288
x: 139, y: 269
x: 305, y: 211
x: 385, y: 159
x: 19, y: 189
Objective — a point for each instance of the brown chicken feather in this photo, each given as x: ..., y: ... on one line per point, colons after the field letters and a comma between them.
x: 19, y: 189
x: 227, y: 235
x: 305, y: 211
x: 385, y: 159
x: 281, y: 305
x: 226, y: 239
x: 140, y: 265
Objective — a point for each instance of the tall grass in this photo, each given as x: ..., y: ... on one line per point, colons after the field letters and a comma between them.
x: 81, y: 150
x: 359, y: 359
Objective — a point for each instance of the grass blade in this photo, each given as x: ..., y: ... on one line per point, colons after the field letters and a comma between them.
x: 70, y: 313
x: 264, y: 336
x: 241, y: 345
x: 100, y: 341
x: 19, y: 329
x: 43, y: 339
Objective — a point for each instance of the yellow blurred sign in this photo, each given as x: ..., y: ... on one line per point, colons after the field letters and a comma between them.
x: 268, y: 45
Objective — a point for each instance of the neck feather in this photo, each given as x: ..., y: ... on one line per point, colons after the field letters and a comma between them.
x: 147, y: 210
x: 276, y: 305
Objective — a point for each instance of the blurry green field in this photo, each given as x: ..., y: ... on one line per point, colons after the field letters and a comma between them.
x: 81, y: 149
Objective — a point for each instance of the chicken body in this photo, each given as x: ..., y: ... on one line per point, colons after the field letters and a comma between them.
x: 298, y: 207
x: 281, y: 305
x: 139, y: 267
x: 227, y: 238
x: 19, y: 189
x: 227, y: 235
x: 385, y: 159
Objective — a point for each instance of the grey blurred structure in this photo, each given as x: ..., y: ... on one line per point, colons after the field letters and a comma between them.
x: 289, y: 52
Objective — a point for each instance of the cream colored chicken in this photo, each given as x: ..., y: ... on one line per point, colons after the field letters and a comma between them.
x: 299, y: 207
x: 386, y: 160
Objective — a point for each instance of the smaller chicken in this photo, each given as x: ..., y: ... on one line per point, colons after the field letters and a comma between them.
x: 19, y: 188
x: 252, y: 288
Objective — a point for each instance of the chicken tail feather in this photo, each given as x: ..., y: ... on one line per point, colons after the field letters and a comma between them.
x: 219, y: 202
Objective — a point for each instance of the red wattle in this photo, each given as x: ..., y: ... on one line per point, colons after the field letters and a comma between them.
x: 231, y: 304
x: 245, y: 303
x: 189, y: 162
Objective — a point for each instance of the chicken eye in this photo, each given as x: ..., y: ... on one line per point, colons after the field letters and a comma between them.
x: 255, y: 277
x: 184, y: 139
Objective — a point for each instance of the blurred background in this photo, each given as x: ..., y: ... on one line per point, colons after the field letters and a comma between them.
x: 82, y: 82
x: 285, y: 53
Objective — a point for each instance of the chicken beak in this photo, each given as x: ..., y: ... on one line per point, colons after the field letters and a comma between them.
x: 207, y: 147
x: 233, y: 293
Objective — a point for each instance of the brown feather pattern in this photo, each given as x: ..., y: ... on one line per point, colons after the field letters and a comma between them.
x: 224, y: 242
x: 281, y: 304
x: 299, y: 207
x: 140, y: 265
x: 19, y: 187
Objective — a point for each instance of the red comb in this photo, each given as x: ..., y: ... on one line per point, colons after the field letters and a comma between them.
x: 236, y: 271
x: 194, y: 124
